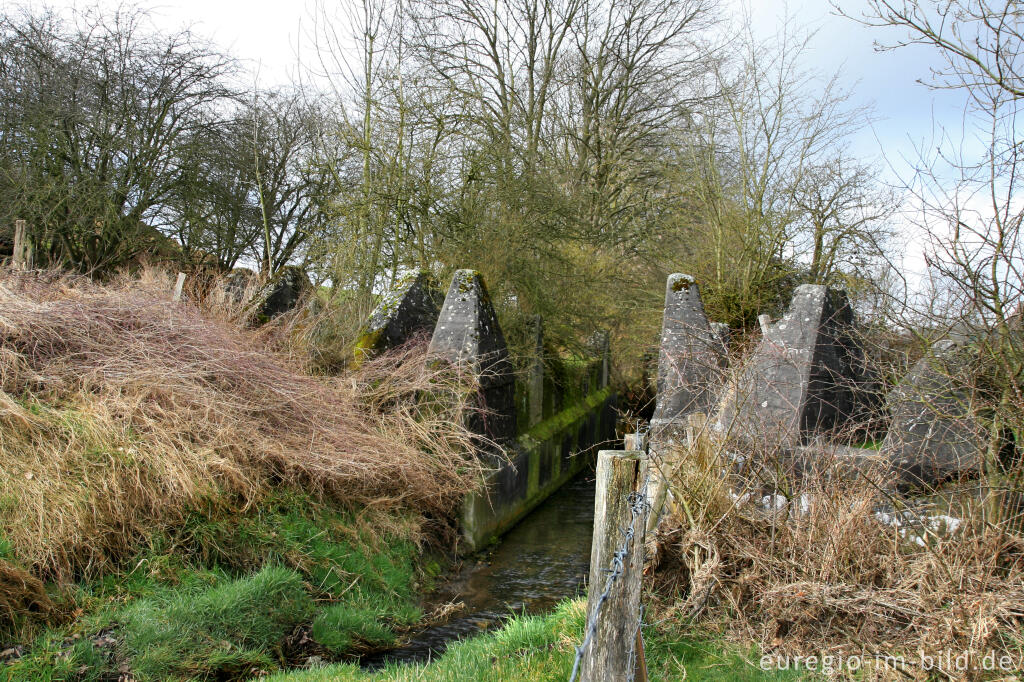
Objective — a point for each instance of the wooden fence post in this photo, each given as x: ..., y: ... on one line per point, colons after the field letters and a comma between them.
x: 178, y: 286
x: 667, y: 461
x: 616, y: 623
x: 633, y: 441
x: 18, y: 256
x: 696, y: 425
x: 657, y: 489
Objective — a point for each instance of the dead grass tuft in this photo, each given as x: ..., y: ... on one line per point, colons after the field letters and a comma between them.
x: 829, y: 578
x: 21, y: 593
x: 120, y: 410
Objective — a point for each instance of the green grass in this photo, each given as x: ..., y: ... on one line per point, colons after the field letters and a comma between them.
x: 219, y: 599
x: 541, y: 648
x: 228, y: 629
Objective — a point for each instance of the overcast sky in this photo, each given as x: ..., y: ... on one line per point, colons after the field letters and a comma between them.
x: 266, y: 34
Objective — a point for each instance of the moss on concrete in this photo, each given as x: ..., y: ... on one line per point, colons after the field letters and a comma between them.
x: 484, y: 517
x: 549, y: 428
x: 364, y: 346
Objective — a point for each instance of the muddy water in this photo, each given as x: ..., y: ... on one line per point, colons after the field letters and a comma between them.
x: 541, y: 561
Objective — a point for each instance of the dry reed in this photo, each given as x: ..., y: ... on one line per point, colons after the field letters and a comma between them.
x: 121, y: 410
x: 827, y: 577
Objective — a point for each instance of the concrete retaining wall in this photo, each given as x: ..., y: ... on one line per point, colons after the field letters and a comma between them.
x: 545, y: 458
x: 550, y: 419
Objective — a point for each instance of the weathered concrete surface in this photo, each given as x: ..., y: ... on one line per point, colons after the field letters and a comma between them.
x: 821, y: 461
x: 468, y: 335
x: 552, y: 383
x: 690, y: 360
x: 724, y: 333
x: 803, y: 379
x: 413, y: 306
x: 237, y: 284
x: 565, y: 415
x: 934, y: 434
x: 544, y: 458
x: 282, y: 293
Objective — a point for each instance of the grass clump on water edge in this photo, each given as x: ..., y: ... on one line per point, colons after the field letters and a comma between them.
x: 228, y: 628
x: 232, y: 597
x: 539, y: 648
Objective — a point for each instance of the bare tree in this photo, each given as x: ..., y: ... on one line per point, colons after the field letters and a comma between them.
x: 778, y: 197
x: 845, y: 212
x: 284, y: 134
x: 254, y: 184
x: 566, y: 107
x: 967, y: 201
x: 213, y: 217
x: 397, y: 157
x: 640, y: 64
x: 93, y: 115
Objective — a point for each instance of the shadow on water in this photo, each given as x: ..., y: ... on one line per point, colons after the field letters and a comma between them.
x: 540, y: 562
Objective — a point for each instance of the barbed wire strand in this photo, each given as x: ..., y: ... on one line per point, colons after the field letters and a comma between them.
x: 638, y: 507
x: 631, y: 658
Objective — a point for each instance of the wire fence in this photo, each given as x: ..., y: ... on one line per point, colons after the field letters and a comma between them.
x: 639, y: 507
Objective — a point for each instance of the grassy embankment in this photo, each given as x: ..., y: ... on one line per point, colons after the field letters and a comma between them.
x: 542, y: 648
x: 328, y: 583
x: 178, y: 501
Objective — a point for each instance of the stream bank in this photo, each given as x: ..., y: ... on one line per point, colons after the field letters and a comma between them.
x: 540, y: 562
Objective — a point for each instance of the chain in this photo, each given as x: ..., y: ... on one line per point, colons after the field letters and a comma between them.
x: 638, y: 507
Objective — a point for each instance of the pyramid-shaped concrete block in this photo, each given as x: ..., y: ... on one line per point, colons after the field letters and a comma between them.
x: 467, y: 331
x: 803, y: 378
x: 724, y: 334
x: 411, y: 307
x: 690, y: 359
x: 468, y: 335
x: 934, y: 434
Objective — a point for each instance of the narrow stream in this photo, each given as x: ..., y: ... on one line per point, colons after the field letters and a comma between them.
x: 541, y: 561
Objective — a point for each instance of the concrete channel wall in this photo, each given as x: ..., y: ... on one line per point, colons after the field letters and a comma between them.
x: 549, y: 420
x: 545, y: 456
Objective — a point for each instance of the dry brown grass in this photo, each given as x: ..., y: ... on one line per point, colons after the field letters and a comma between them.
x: 21, y: 593
x: 121, y: 410
x: 833, y: 580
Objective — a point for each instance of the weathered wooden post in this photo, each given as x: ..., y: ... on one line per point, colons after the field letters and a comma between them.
x: 657, y: 486
x: 696, y: 424
x: 667, y: 462
x: 612, y: 648
x: 634, y: 441
x: 19, y: 254
x: 178, y: 286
